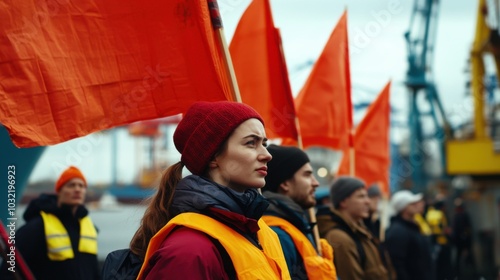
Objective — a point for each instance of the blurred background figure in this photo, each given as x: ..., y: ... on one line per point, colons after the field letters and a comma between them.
x: 462, y: 239
x: 373, y: 220
x: 440, y: 237
x: 425, y: 229
x: 409, y: 249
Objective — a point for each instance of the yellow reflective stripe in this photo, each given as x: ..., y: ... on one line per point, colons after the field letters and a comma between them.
x: 55, y: 250
x: 88, y: 236
x: 58, y: 242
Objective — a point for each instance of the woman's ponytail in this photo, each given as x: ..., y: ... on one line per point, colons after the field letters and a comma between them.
x: 157, y: 213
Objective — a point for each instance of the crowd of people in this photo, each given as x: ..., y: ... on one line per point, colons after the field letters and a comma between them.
x: 215, y: 224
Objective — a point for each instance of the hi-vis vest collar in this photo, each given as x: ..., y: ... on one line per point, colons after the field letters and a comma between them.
x: 58, y: 242
x: 316, y: 267
x: 249, y: 261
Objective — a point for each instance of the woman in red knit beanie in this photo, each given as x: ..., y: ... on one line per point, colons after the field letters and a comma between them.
x: 208, y: 225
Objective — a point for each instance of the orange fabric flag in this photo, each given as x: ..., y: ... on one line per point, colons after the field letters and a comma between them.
x: 323, y: 105
x: 69, y: 68
x: 371, y: 144
x: 261, y: 70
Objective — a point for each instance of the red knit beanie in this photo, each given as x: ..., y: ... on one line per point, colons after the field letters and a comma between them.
x: 68, y: 174
x: 203, y: 129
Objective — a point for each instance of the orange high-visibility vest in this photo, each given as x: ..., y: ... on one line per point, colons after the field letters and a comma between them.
x: 58, y: 242
x: 249, y: 262
x: 316, y: 266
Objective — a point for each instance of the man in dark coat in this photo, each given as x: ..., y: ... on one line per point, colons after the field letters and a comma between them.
x: 410, y: 251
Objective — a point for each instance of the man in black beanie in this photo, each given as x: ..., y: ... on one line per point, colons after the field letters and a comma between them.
x: 290, y: 185
x: 357, y: 253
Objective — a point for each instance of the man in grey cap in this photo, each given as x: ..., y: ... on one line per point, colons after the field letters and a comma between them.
x: 372, y: 222
x: 357, y: 253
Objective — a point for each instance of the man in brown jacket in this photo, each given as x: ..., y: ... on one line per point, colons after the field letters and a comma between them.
x: 357, y: 254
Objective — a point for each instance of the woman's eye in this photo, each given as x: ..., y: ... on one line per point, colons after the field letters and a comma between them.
x: 251, y: 142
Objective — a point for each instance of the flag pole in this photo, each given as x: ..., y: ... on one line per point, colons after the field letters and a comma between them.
x: 226, y: 56
x: 310, y: 211
x: 352, y: 155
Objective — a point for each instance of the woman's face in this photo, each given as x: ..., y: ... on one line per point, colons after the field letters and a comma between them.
x: 243, y: 162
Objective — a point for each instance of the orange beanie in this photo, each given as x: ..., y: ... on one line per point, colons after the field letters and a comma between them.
x: 68, y: 174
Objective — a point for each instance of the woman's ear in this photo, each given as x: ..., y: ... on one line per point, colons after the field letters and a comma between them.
x: 213, y: 164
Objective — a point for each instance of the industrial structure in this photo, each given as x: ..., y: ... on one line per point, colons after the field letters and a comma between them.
x: 469, y: 154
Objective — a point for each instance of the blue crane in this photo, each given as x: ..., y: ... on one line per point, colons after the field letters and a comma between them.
x: 420, y: 40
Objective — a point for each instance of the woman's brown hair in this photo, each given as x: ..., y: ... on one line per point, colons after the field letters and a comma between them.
x: 157, y: 214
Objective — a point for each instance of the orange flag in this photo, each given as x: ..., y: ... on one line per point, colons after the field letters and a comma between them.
x: 261, y: 70
x: 69, y: 68
x: 371, y: 144
x: 323, y: 105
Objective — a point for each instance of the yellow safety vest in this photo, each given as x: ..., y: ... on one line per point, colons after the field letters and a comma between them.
x: 58, y: 242
x: 437, y: 222
x: 316, y: 266
x: 422, y: 225
x: 249, y: 261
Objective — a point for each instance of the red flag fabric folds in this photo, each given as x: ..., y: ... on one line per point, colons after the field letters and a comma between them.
x: 261, y: 71
x: 323, y: 105
x: 371, y: 144
x: 69, y: 68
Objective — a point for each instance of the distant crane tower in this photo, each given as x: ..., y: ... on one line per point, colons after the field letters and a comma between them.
x: 420, y: 39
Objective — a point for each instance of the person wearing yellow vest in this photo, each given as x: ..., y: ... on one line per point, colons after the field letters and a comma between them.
x: 208, y: 225
x: 59, y: 240
x: 438, y: 223
x: 425, y: 229
x: 290, y: 185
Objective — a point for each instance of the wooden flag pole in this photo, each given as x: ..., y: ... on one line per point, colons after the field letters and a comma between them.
x: 352, y: 155
x: 226, y: 56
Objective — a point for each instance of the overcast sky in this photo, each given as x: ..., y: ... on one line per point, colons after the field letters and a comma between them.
x: 378, y: 54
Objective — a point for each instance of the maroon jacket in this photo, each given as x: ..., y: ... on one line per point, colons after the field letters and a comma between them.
x: 203, y: 262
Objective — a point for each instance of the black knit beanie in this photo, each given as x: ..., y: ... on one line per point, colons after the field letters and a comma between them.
x: 286, y: 161
x: 343, y: 187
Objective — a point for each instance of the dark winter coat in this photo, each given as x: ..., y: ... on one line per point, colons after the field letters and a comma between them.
x: 409, y: 250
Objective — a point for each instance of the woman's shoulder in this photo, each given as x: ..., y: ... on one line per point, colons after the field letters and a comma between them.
x: 187, y: 242
x: 187, y: 253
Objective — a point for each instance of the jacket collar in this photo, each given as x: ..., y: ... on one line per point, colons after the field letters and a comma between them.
x: 198, y: 194
x: 284, y: 207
